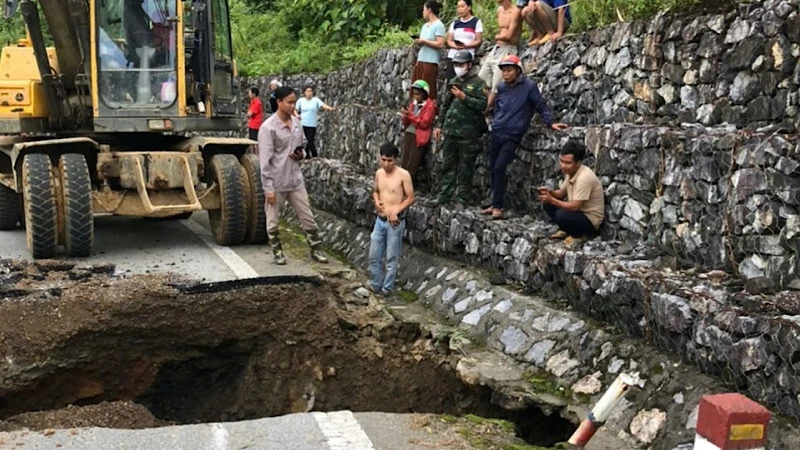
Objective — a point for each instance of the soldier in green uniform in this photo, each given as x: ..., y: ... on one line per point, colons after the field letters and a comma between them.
x: 461, y: 123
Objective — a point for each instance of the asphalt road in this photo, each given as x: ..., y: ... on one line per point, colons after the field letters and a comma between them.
x: 179, y: 246
x: 341, y: 430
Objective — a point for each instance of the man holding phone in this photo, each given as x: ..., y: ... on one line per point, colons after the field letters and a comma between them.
x: 281, y: 145
x: 461, y: 123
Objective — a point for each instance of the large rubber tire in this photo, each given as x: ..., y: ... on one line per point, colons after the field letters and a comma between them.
x: 229, y: 222
x: 39, y: 200
x: 76, y: 188
x: 256, y: 219
x: 9, y: 208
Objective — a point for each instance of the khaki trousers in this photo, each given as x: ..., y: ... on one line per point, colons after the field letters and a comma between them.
x: 298, y: 200
x: 490, y: 72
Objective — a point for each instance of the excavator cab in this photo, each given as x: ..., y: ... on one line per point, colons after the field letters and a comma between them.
x: 131, y: 65
x: 107, y: 120
x: 165, y: 59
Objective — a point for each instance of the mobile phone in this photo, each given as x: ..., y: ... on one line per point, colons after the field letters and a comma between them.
x: 414, y: 36
x: 457, y: 42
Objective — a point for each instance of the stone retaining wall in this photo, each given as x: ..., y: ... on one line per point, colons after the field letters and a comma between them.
x: 567, y: 361
x: 717, y: 198
x: 738, y: 67
x: 703, y: 316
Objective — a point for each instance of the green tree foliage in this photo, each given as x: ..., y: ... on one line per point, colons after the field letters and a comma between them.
x: 291, y: 36
x: 12, y: 29
x: 589, y: 14
x: 339, y: 19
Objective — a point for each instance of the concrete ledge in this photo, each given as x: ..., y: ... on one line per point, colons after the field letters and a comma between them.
x: 704, y: 316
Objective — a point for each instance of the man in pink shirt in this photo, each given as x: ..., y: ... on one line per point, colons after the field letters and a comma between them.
x: 281, y: 144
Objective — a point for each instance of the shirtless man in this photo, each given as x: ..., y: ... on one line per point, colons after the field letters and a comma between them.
x: 509, y: 21
x: 393, y: 194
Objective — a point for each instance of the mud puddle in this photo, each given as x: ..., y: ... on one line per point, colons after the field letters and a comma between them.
x: 83, y: 348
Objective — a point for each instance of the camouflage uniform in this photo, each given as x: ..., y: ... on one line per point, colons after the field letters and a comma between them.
x: 462, y: 123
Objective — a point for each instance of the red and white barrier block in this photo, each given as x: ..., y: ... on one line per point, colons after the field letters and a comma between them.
x: 731, y: 422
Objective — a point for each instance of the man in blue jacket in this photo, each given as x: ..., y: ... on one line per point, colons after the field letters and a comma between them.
x: 517, y: 99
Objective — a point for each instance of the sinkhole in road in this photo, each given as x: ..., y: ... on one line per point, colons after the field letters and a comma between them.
x: 229, y: 352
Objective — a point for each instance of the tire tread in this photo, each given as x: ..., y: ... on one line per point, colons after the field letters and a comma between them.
x: 76, y: 187
x: 229, y: 222
x: 40, y: 205
x: 9, y: 208
x: 256, y: 219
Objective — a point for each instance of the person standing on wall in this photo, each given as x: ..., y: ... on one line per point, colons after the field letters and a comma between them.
x: 418, y: 120
x: 548, y: 19
x: 517, y: 98
x: 273, y: 102
x: 509, y: 19
x: 280, y: 150
x: 308, y: 107
x: 578, y: 206
x: 461, y: 123
x: 392, y: 194
x: 255, y: 116
x: 430, y: 42
x: 466, y: 33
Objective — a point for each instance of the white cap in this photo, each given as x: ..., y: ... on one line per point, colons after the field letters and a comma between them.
x: 275, y: 82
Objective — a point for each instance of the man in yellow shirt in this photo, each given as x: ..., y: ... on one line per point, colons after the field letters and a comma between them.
x: 578, y: 206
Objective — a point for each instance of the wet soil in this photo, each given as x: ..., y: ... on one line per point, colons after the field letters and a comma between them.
x: 232, y: 351
x: 126, y: 415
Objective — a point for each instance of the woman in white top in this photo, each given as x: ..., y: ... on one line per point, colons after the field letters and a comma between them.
x: 466, y: 33
x: 308, y: 107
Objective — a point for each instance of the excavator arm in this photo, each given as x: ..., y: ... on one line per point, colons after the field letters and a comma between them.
x: 68, y: 24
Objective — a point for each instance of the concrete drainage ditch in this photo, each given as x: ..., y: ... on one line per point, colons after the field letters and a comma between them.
x: 123, y: 349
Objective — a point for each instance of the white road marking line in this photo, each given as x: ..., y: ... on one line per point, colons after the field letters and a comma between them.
x: 219, y: 437
x: 239, y: 267
x: 342, y: 431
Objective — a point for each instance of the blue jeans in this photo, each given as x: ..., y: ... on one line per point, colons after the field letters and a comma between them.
x: 502, y: 150
x: 386, y: 241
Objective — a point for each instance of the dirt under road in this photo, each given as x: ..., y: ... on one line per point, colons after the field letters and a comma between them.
x: 85, y: 348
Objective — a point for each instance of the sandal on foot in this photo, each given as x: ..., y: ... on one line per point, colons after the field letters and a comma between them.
x: 487, y: 211
x: 497, y: 215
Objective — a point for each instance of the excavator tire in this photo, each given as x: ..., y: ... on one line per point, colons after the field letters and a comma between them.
x: 9, y: 208
x: 76, y: 187
x: 256, y: 219
x: 39, y: 200
x: 229, y: 222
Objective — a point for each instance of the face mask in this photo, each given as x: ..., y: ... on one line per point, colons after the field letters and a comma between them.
x: 460, y: 71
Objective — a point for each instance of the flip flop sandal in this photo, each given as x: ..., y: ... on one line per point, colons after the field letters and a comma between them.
x: 487, y: 211
x: 497, y: 215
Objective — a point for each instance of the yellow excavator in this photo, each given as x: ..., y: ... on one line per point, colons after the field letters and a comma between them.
x: 115, y: 118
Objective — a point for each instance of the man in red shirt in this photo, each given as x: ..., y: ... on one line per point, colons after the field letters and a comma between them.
x: 255, y: 114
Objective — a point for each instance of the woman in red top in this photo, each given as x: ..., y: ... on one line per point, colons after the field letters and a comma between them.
x: 255, y: 115
x: 418, y: 122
